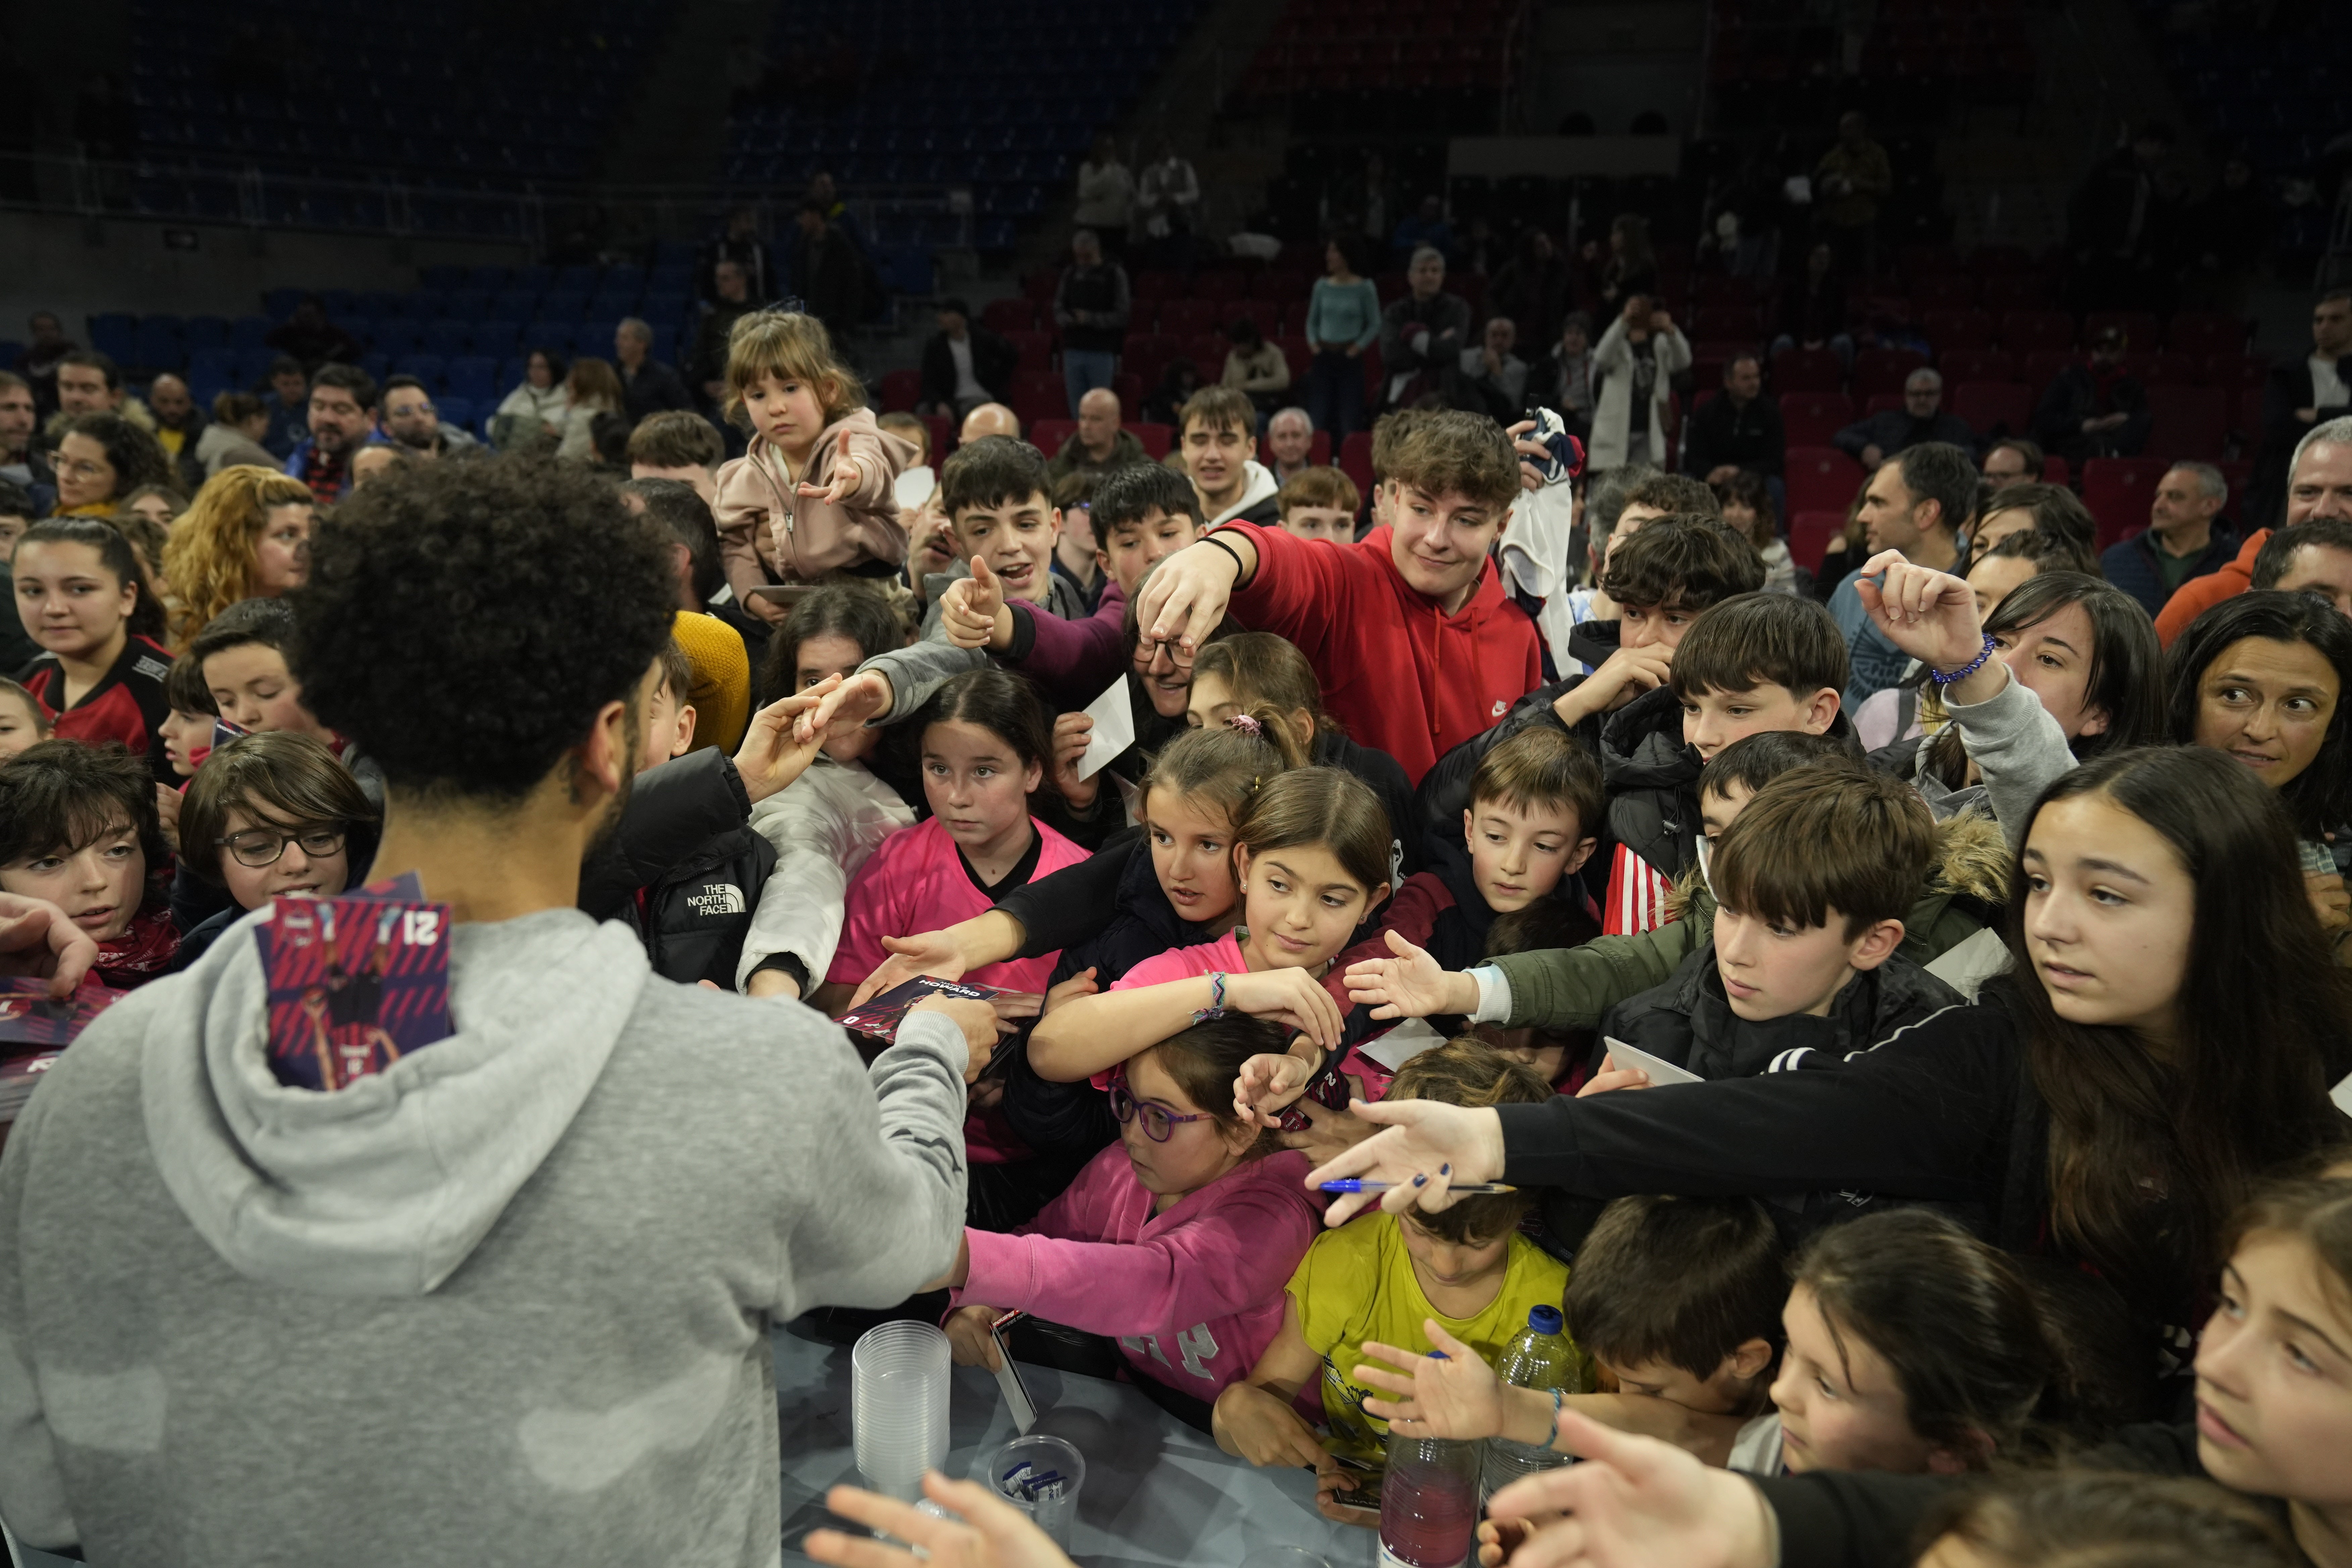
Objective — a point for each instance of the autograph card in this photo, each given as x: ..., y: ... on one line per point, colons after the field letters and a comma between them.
x: 355, y: 983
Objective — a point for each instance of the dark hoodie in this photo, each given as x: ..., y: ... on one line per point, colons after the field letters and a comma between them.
x: 1688, y: 1021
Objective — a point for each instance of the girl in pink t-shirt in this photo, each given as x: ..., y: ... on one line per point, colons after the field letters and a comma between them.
x: 984, y: 750
x: 1177, y: 1240
x: 1311, y: 853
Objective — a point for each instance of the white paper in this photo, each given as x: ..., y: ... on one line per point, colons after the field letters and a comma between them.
x: 2342, y: 1095
x: 1659, y: 1069
x: 1023, y: 1409
x: 1114, y: 729
x: 1401, y: 1044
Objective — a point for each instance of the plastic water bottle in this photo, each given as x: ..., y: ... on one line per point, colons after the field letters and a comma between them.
x: 1538, y: 1357
x: 1429, y: 1501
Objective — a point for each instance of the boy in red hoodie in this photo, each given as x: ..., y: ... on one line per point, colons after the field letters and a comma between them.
x: 1417, y: 644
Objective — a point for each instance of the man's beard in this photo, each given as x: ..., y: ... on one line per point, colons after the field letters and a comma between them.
x: 418, y: 440
x: 608, y: 827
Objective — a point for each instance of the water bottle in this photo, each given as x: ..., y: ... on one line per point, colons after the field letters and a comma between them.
x: 1429, y: 1500
x: 1538, y: 1357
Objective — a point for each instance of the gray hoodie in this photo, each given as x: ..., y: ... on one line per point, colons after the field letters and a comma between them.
x: 509, y: 1302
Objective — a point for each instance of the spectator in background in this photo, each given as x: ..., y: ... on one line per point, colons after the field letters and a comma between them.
x: 2092, y: 409
x: 1100, y: 442
x: 1178, y: 380
x: 2051, y: 509
x: 1256, y: 368
x: 964, y: 365
x: 1424, y: 228
x: 2180, y: 540
x: 89, y: 382
x: 17, y: 649
x: 1921, y: 419
x: 1812, y: 314
x: 2313, y: 557
x: 647, y: 386
x: 100, y: 460
x: 1531, y: 288
x: 829, y: 270
x: 1423, y: 334
x: 2013, y: 460
x: 1632, y: 378
x: 234, y: 439
x: 1631, y: 267
x: 1848, y: 185
x: 1105, y: 195
x: 309, y: 336
x: 1747, y: 505
x: 1567, y: 381
x: 343, y: 420
x: 1075, y: 559
x: 179, y: 424
x: 1319, y: 503
x: 1360, y: 206
x: 373, y: 462
x: 741, y: 246
x: 1090, y: 306
x: 22, y: 462
x: 2121, y: 224
x: 730, y: 300
x: 826, y: 199
x: 988, y: 420
x: 2301, y: 396
x: 289, y: 405
x: 1343, y: 320
x: 1739, y: 429
x: 539, y: 405
x: 1919, y: 503
x: 408, y: 419
x: 38, y: 363
x: 1168, y: 206
x: 594, y: 388
x: 1289, y: 444
x: 1491, y: 378
x: 682, y: 446
x: 917, y: 479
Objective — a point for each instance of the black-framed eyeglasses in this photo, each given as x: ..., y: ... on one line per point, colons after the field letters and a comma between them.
x: 259, y: 846
x: 1159, y: 1121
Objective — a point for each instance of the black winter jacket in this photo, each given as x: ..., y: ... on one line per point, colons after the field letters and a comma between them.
x: 673, y: 811
x: 693, y: 918
x: 1688, y: 1021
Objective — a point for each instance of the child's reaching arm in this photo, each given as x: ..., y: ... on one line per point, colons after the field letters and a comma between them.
x: 1556, y: 988
x: 1254, y: 1418
x: 1094, y: 1034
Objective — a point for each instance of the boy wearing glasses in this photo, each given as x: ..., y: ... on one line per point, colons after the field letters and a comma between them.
x: 270, y: 815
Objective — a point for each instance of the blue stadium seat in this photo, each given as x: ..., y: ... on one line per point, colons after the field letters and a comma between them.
x: 206, y: 332
x: 280, y: 303
x: 213, y: 367
x: 487, y: 277
x: 665, y: 346
x: 515, y: 305
x: 563, y: 305
x: 496, y: 340
x: 377, y: 364
x: 468, y: 304
x: 115, y: 334
x: 160, y: 345
x: 455, y: 409
x: 253, y: 366
x: 246, y: 332
x: 444, y: 277
x: 446, y: 337
x: 474, y: 376
x: 397, y: 335
x: 427, y: 368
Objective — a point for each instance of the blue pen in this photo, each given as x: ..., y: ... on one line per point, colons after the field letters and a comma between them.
x: 1358, y: 1184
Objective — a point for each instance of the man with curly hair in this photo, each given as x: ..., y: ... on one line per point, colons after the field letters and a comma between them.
x: 508, y: 1298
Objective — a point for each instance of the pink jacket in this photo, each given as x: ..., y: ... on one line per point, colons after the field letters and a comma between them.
x: 770, y: 532
x: 1193, y: 1296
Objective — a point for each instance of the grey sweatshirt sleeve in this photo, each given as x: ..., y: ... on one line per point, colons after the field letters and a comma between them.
x: 884, y: 1213
x: 2017, y: 747
x: 917, y: 671
x: 32, y: 1486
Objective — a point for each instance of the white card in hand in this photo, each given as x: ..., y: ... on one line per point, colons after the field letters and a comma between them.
x: 1114, y: 729
x: 1401, y: 1044
x: 1660, y: 1070
x: 1023, y: 1409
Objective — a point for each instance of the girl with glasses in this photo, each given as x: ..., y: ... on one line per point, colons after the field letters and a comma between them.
x: 1176, y: 1241
x: 272, y: 815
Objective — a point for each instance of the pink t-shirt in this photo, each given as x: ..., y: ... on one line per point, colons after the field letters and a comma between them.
x: 914, y: 881
x: 1220, y: 956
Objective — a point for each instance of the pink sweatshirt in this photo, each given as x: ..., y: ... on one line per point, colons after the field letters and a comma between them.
x: 1193, y: 1296
x: 914, y: 881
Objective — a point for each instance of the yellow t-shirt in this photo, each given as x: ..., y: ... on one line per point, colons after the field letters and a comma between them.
x: 1357, y: 1283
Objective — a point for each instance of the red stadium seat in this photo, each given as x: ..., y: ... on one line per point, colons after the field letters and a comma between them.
x: 2042, y: 365
x: 1295, y: 356
x: 1808, y: 369
x: 1048, y: 435
x: 1157, y: 285
x: 2190, y: 422
x: 1156, y: 438
x: 2117, y: 491
x: 1036, y: 348
x: 1975, y: 364
x: 2205, y: 333
x: 1017, y: 314
x: 1993, y: 407
x: 2140, y: 329
x: 900, y: 388
x: 1811, y: 418
x: 1130, y: 387
x: 1809, y: 534
x: 1207, y: 353
x: 1944, y: 291
x: 1040, y: 284
x: 1356, y: 460
x: 1319, y: 450
x: 1191, y: 318
x: 1819, y: 479
x: 943, y: 434
x: 2026, y: 332
x: 1885, y: 370
x: 2054, y: 471
x: 2014, y: 291
x: 1219, y: 285
x: 1950, y: 330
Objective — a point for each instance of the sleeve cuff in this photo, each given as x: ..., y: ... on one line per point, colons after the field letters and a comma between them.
x: 786, y: 963
x: 1024, y: 632
x: 1494, y: 995
x: 998, y: 1272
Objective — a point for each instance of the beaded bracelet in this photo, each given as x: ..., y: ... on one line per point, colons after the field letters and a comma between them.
x: 1552, y: 1438
x: 1940, y: 678
x: 1216, y: 1007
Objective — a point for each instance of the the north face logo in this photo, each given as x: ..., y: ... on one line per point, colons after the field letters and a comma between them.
x: 725, y: 899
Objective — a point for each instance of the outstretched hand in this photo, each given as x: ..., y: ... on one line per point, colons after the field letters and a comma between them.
x: 1428, y: 1146
x: 1929, y: 615
x: 931, y: 952
x: 1635, y: 1501
x: 1184, y: 599
x: 1412, y: 984
x: 1265, y: 1084
x: 992, y: 1533
x: 847, y: 708
x: 1455, y: 1396
x: 970, y: 606
x: 848, y: 476
x: 781, y: 741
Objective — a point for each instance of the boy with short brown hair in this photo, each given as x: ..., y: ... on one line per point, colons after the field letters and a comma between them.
x: 1319, y: 503
x: 1217, y: 432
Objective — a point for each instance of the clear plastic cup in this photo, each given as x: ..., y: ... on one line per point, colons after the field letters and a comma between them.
x: 898, y: 1380
x: 1041, y: 1477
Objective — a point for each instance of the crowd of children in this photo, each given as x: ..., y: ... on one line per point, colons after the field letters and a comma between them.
x: 2010, y: 1004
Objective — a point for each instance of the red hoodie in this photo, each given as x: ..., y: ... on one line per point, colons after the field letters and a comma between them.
x: 1397, y: 670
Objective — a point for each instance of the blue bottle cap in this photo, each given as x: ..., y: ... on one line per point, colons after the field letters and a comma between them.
x: 1545, y: 1320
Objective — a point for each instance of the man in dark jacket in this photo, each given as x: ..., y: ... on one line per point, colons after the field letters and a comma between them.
x: 2092, y: 409
x: 1091, y: 304
x: 1921, y: 419
x: 2181, y: 540
x: 2301, y: 395
x: 647, y: 385
x: 1422, y: 335
x: 830, y: 274
x: 964, y: 365
x: 1739, y: 430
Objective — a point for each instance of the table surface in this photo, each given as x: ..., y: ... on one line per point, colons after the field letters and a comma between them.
x: 1156, y: 1492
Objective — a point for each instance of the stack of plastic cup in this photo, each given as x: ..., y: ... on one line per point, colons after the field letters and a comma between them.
x: 899, y: 1375
x: 1040, y: 1475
